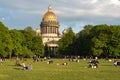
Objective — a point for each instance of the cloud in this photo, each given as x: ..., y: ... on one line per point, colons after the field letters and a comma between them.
x: 75, y: 13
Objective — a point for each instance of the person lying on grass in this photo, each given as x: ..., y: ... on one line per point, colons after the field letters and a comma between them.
x: 28, y: 67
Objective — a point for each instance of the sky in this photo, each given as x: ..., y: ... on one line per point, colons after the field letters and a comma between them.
x: 18, y: 14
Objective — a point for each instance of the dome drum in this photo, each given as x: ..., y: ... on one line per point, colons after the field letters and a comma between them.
x: 49, y: 23
x: 50, y: 35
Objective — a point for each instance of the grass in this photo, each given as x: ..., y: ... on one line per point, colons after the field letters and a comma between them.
x: 73, y: 71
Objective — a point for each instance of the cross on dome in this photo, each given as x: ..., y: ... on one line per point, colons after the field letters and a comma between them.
x: 49, y: 8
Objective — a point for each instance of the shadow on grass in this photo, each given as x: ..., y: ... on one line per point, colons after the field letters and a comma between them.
x: 11, y: 65
x: 18, y: 68
x: 107, y: 65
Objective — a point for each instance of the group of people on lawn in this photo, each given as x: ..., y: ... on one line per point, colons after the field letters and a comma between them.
x: 49, y: 61
x: 93, y: 63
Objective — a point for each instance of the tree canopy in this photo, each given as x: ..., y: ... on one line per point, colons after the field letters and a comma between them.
x: 66, y: 43
x: 19, y: 42
x: 98, y: 40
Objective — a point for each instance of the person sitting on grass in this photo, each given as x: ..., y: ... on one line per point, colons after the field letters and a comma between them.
x: 64, y: 63
x: 117, y: 63
x: 17, y: 63
x: 93, y: 63
x: 1, y: 61
x: 50, y: 62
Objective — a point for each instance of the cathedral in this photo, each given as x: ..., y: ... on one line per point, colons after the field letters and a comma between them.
x: 49, y: 30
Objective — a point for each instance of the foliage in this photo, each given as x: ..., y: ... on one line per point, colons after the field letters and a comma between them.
x: 100, y: 40
x: 37, y: 46
x: 19, y: 42
x: 65, y: 44
x: 5, y: 41
x: 83, y: 41
x: 17, y: 38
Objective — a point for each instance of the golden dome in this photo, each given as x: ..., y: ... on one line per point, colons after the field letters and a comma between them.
x: 49, y: 14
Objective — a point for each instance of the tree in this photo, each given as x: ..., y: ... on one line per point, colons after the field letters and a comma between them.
x: 83, y: 41
x: 5, y: 41
x: 33, y: 42
x: 105, y: 40
x: 65, y: 43
x: 37, y: 46
x: 97, y: 47
x: 114, y: 42
x: 17, y: 40
x: 29, y: 34
x: 99, y: 39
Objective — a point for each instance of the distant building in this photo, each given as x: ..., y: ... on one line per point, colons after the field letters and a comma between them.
x: 49, y: 30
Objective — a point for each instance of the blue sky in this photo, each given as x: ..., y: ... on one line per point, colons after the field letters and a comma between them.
x: 18, y: 14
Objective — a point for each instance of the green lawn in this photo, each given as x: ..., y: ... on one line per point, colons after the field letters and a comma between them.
x: 73, y: 71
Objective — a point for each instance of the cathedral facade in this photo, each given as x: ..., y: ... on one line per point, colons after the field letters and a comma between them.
x: 49, y: 30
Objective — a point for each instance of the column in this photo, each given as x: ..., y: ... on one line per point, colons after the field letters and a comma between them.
x: 54, y: 29
x: 43, y: 29
x: 46, y: 29
x: 57, y: 30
